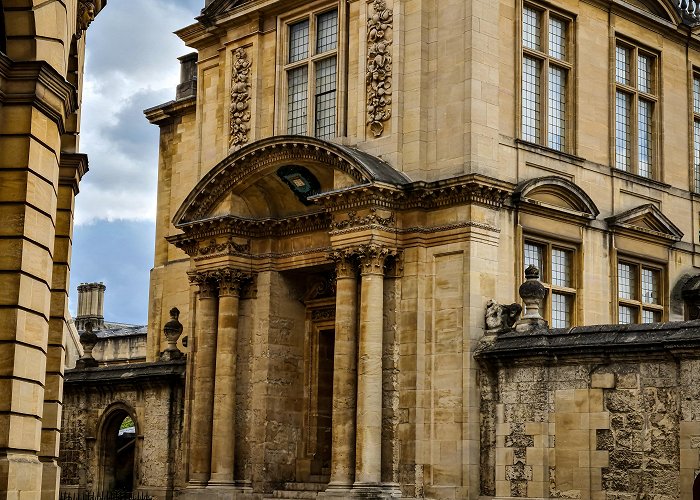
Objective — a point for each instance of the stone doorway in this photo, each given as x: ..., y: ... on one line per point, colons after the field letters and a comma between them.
x: 319, y: 401
x: 118, y: 452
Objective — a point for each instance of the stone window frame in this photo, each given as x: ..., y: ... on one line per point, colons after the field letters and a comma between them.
x: 545, y: 12
x: 631, y: 89
x: 694, y: 96
x: 638, y: 303
x: 546, y: 278
x: 284, y: 22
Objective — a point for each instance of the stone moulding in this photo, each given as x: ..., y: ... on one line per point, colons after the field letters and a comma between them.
x: 371, y: 219
x: 240, y: 99
x: 378, y: 75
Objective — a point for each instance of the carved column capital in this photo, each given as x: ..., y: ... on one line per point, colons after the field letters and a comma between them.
x: 373, y: 257
x: 345, y: 263
x: 231, y: 281
x: 208, y: 286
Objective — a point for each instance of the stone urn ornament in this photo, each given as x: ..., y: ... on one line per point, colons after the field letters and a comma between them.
x: 88, y: 339
x: 533, y: 292
x: 172, y: 331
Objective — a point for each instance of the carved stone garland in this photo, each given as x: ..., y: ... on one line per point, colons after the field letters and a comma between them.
x: 379, y: 30
x: 240, y: 96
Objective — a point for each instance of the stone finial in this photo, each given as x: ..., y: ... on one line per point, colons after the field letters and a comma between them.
x: 533, y: 292
x: 88, y: 339
x: 501, y: 318
x: 172, y: 331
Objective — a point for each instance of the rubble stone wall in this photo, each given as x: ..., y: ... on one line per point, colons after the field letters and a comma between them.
x: 155, y: 404
x: 595, y: 428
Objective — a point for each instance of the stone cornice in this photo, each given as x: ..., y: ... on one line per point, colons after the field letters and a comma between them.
x: 37, y: 83
x: 162, y: 113
x: 586, y: 342
x: 471, y: 188
x: 155, y: 373
x: 72, y: 168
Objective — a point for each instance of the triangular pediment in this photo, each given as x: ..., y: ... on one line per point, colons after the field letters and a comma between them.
x: 658, y: 8
x: 557, y: 195
x: 646, y: 220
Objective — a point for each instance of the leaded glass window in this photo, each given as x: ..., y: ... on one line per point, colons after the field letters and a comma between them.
x: 696, y: 133
x: 545, y: 75
x: 635, y: 106
x: 312, y: 75
x: 556, y: 266
x: 639, y: 296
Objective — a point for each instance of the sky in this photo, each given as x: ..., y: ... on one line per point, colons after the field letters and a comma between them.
x: 131, y: 64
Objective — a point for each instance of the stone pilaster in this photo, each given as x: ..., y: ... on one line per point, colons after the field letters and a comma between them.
x: 224, y: 424
x: 203, y: 380
x: 368, y: 458
x: 344, y: 372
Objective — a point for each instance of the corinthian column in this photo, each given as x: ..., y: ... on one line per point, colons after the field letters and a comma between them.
x: 344, y: 373
x: 368, y: 461
x: 203, y: 380
x: 224, y: 425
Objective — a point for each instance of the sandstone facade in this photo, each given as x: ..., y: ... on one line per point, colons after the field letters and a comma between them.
x: 343, y: 187
x: 42, y: 47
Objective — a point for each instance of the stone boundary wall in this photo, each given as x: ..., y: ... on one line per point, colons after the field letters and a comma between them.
x: 608, y: 412
x: 153, y: 394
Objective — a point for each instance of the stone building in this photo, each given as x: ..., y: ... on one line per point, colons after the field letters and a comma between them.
x: 344, y: 185
x: 42, y: 47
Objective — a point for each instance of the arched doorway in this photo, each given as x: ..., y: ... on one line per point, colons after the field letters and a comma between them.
x: 118, y: 450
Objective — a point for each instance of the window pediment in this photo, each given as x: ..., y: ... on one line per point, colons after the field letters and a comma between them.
x: 556, y: 195
x: 646, y: 220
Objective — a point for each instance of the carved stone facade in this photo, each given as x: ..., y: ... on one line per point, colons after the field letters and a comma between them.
x: 332, y: 289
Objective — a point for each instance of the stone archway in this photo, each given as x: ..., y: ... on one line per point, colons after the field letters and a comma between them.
x: 117, y: 449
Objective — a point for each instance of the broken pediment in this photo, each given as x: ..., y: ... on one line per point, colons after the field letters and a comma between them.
x: 647, y: 220
x: 557, y: 195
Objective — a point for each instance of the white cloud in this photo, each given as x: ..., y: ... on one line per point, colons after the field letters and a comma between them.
x: 130, y: 65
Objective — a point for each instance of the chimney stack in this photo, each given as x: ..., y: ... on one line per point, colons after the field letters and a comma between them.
x: 91, y: 301
x: 188, y: 76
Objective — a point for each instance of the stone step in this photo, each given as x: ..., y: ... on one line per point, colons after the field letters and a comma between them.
x: 295, y: 494
x: 311, y: 486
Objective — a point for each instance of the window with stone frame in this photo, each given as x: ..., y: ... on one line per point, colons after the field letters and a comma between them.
x: 696, y: 132
x: 640, y: 292
x: 557, y: 265
x: 635, y: 108
x: 547, y: 55
x: 311, y: 73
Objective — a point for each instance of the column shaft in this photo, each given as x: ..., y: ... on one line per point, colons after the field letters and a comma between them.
x: 203, y: 385
x: 344, y: 376
x: 368, y: 461
x: 224, y: 424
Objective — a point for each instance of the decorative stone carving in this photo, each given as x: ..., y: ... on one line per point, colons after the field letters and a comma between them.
x: 240, y: 97
x: 231, y: 281
x: 533, y: 292
x: 325, y: 314
x: 229, y: 246
x: 208, y: 287
x: 172, y: 331
x: 345, y: 263
x: 321, y: 287
x: 88, y: 339
x: 501, y: 318
x: 85, y: 15
x: 378, y: 76
x: 371, y: 219
x: 372, y: 258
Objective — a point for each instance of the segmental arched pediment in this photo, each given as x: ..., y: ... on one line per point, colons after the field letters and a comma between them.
x: 557, y: 195
x: 273, y: 177
x: 665, y: 9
